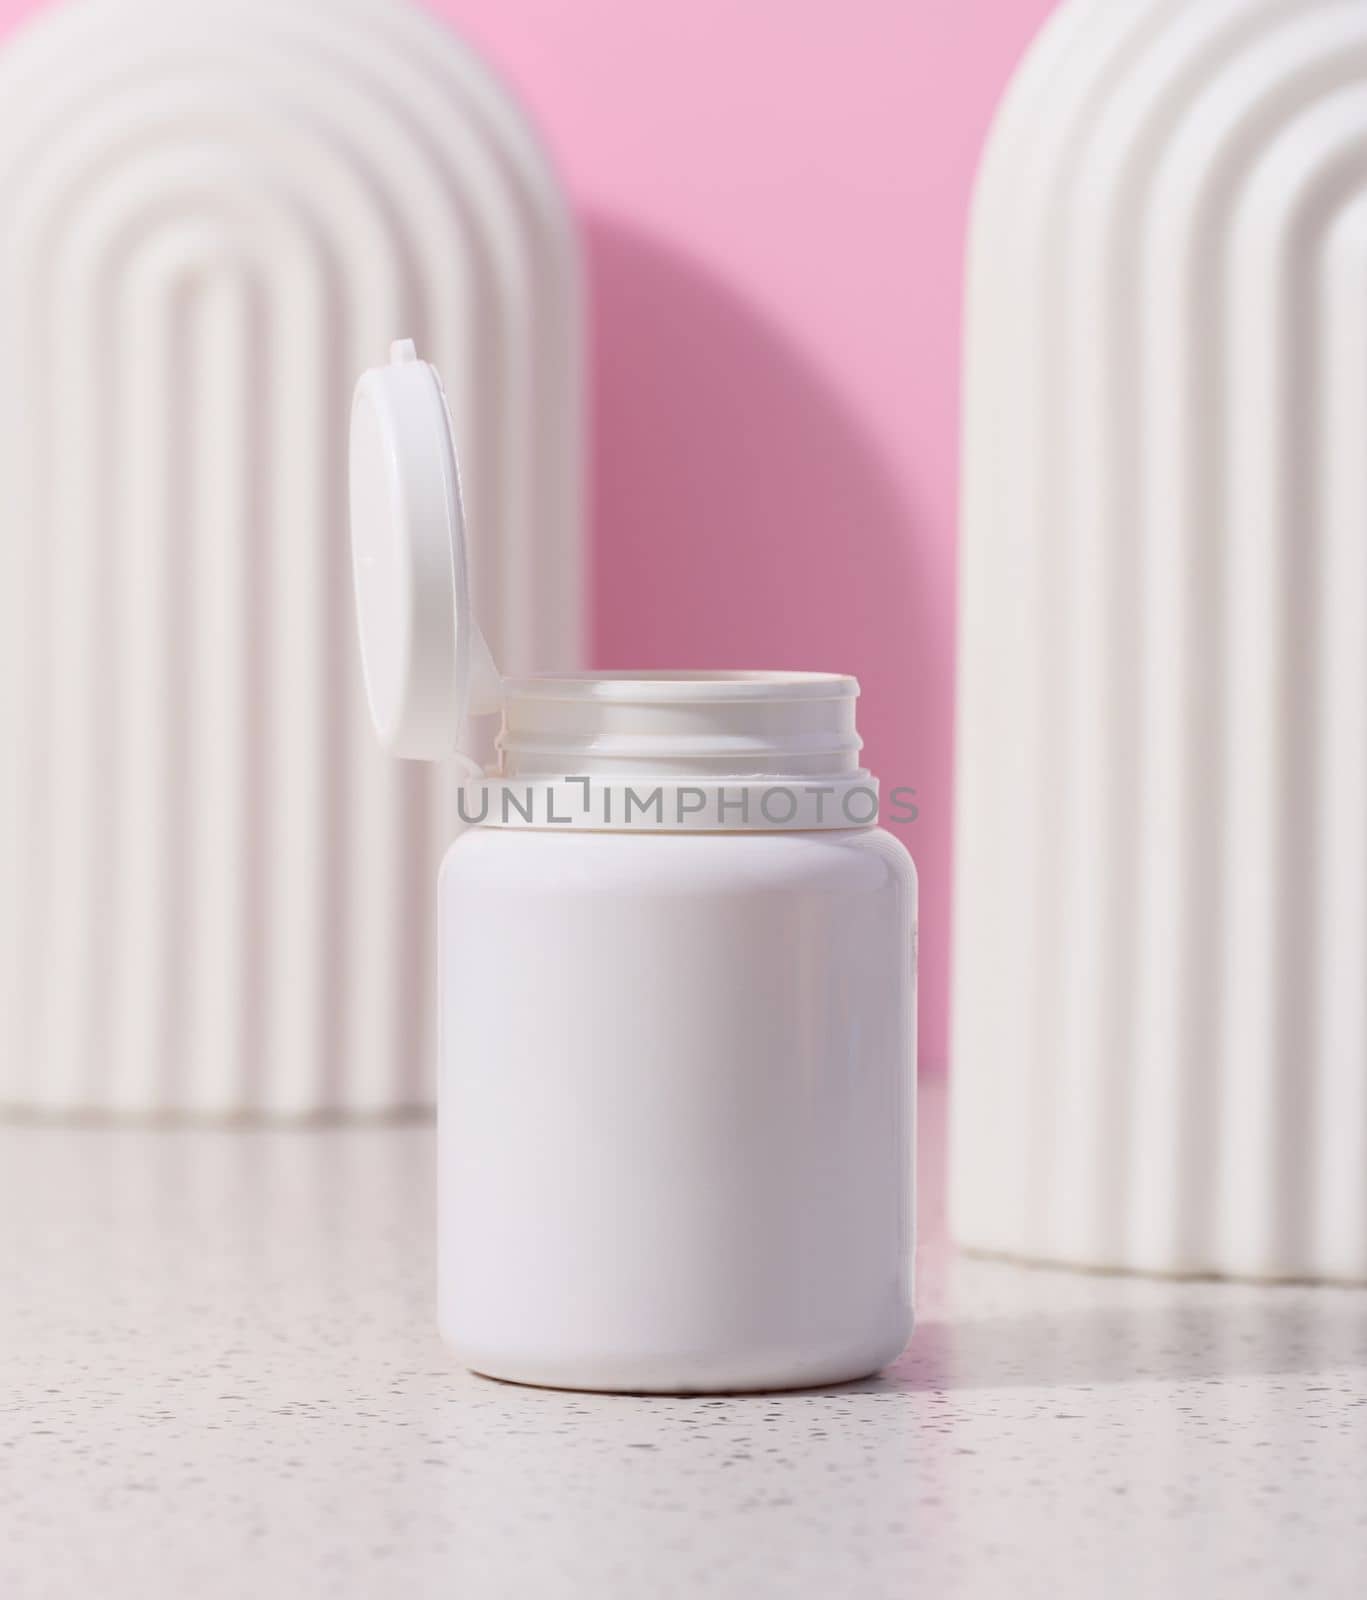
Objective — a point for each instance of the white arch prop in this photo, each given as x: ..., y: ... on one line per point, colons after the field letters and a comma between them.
x: 215, y: 891
x: 1160, y: 1008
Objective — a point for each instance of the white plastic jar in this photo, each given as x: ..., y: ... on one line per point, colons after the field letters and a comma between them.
x: 677, y: 988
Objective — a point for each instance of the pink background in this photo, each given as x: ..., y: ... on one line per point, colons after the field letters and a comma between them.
x: 773, y: 194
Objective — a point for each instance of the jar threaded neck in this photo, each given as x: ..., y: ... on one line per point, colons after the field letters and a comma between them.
x: 710, y: 725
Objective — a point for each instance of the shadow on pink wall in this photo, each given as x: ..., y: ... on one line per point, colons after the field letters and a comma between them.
x: 743, y: 520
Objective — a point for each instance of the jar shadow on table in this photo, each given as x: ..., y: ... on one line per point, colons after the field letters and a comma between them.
x: 1206, y: 1332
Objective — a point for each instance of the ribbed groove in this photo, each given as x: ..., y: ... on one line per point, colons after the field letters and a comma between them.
x: 1340, y: 1114
x: 219, y: 757
x: 1190, y: 264
x: 219, y: 891
x: 1317, y: 168
x: 1151, y: 466
x: 1004, y: 731
x: 1101, y: 776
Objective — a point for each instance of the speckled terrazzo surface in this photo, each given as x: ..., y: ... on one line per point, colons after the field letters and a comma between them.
x: 220, y: 1379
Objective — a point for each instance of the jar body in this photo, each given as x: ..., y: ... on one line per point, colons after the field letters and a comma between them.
x: 677, y: 1096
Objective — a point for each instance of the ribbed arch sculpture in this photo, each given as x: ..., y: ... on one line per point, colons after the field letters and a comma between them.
x: 215, y: 892
x: 1160, y: 1011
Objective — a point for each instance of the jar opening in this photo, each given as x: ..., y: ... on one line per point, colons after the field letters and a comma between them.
x: 682, y: 724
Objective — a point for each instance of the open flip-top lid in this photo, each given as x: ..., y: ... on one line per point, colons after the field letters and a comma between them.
x: 427, y: 667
